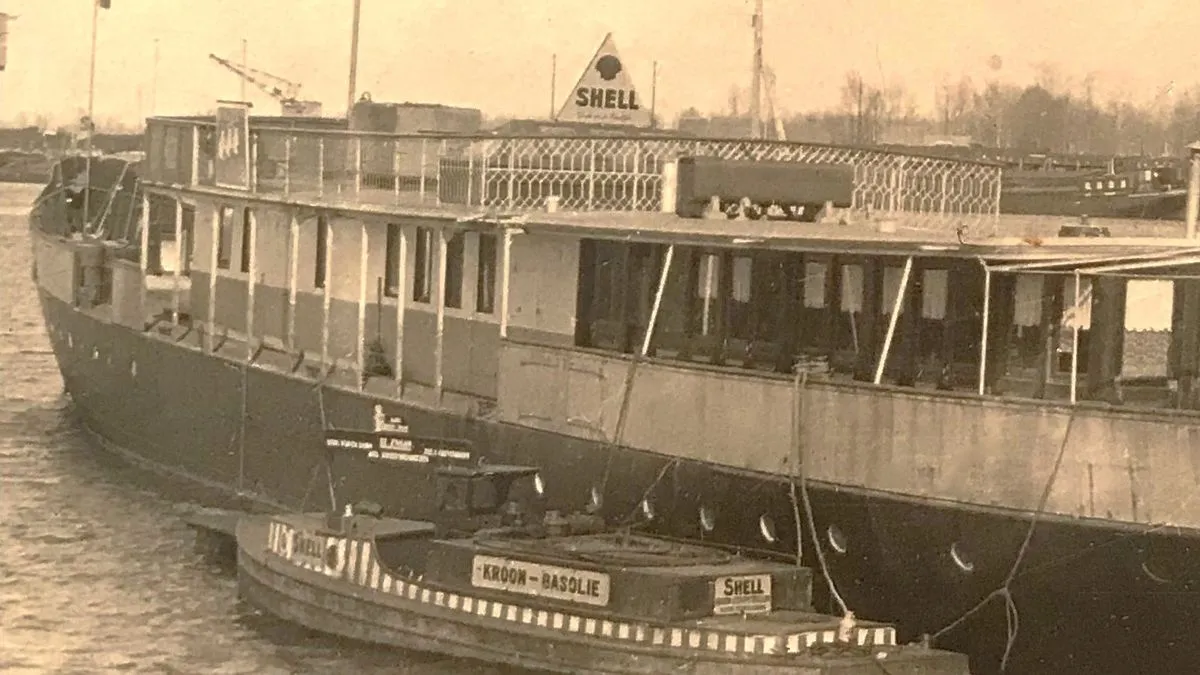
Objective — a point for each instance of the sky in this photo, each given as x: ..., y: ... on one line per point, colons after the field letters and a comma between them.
x: 497, y: 54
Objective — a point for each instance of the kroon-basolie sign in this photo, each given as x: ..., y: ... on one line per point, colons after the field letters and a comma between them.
x: 545, y: 581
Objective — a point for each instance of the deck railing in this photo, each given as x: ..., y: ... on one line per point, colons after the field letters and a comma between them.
x: 520, y: 173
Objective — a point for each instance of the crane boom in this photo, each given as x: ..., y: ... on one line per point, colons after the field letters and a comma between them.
x: 274, y: 92
x: 283, y: 90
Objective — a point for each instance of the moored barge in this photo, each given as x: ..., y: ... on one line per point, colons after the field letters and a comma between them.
x: 541, y: 590
x: 974, y: 378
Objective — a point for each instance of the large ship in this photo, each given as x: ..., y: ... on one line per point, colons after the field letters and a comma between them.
x: 979, y: 427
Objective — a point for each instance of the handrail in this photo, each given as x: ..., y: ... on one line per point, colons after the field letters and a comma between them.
x: 607, y: 136
x: 608, y: 172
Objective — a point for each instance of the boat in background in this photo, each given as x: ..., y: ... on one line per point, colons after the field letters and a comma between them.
x: 1144, y: 188
x: 1152, y: 193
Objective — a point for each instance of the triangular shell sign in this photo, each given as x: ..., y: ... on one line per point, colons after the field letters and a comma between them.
x: 605, y: 93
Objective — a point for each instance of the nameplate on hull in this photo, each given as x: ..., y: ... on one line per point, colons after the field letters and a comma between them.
x: 392, y: 447
x: 747, y: 594
x: 544, y: 581
x: 308, y: 550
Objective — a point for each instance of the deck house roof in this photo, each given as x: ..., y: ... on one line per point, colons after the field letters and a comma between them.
x: 1022, y: 238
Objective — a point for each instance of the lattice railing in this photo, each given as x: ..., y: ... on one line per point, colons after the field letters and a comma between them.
x: 584, y: 174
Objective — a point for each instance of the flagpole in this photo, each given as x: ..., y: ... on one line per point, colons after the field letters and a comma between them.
x: 353, y: 60
x: 87, y: 216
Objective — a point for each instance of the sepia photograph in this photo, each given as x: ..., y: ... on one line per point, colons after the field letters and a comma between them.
x: 599, y: 337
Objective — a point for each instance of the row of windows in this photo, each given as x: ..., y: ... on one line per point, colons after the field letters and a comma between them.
x: 425, y: 257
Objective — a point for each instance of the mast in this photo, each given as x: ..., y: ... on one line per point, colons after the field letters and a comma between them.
x: 243, y: 90
x: 154, y: 83
x: 353, y: 59
x: 756, y: 80
x: 91, y: 121
x: 553, y: 84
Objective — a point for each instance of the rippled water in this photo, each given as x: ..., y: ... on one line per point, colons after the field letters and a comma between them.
x: 97, y: 572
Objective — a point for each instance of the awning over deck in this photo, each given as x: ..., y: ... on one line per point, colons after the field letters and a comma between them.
x: 1177, y: 262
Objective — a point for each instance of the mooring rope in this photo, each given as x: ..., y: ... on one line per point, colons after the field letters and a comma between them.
x: 320, y: 387
x: 1005, y: 590
x: 800, y: 382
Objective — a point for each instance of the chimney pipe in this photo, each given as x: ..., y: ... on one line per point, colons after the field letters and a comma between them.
x: 1193, y: 194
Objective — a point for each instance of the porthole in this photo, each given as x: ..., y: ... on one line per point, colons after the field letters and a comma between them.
x: 837, y: 540
x: 766, y: 527
x: 708, y: 519
x: 538, y: 484
x: 647, y: 508
x: 960, y: 559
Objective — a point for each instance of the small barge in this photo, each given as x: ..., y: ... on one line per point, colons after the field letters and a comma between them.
x: 493, y: 576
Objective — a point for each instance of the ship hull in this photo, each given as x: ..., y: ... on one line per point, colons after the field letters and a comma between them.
x: 1071, y: 202
x: 1090, y: 596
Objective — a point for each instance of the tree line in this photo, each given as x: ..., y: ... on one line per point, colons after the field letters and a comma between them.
x: 1045, y: 116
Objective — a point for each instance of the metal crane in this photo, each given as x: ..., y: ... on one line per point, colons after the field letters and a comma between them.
x: 282, y: 90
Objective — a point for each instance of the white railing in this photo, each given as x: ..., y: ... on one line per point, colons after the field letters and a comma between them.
x: 585, y: 174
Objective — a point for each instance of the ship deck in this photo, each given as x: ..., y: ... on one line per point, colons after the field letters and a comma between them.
x: 1003, y: 236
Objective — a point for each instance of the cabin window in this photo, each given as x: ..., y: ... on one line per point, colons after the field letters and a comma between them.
x: 189, y: 238
x: 852, y: 288
x: 814, y: 285
x: 1027, y: 304
x: 892, y: 276
x: 423, y: 270
x: 247, y: 239
x: 454, y: 270
x: 747, y: 279
x: 935, y: 291
x: 224, y: 238
x: 485, y: 278
x: 1077, y: 315
x: 608, y: 281
x: 322, y: 257
x: 707, y: 286
x: 391, y: 271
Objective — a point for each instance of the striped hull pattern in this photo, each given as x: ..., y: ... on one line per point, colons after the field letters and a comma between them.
x: 1091, y: 597
x: 350, y: 569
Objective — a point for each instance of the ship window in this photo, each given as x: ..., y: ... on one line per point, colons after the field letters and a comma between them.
x: 189, y: 237
x: 814, y: 285
x: 391, y: 271
x: 423, y: 270
x: 852, y: 288
x: 224, y: 238
x: 707, y: 287
x: 322, y: 257
x: 1123, y: 183
x: 1087, y: 185
x: 454, y: 270
x: 247, y: 239
x: 485, y: 279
